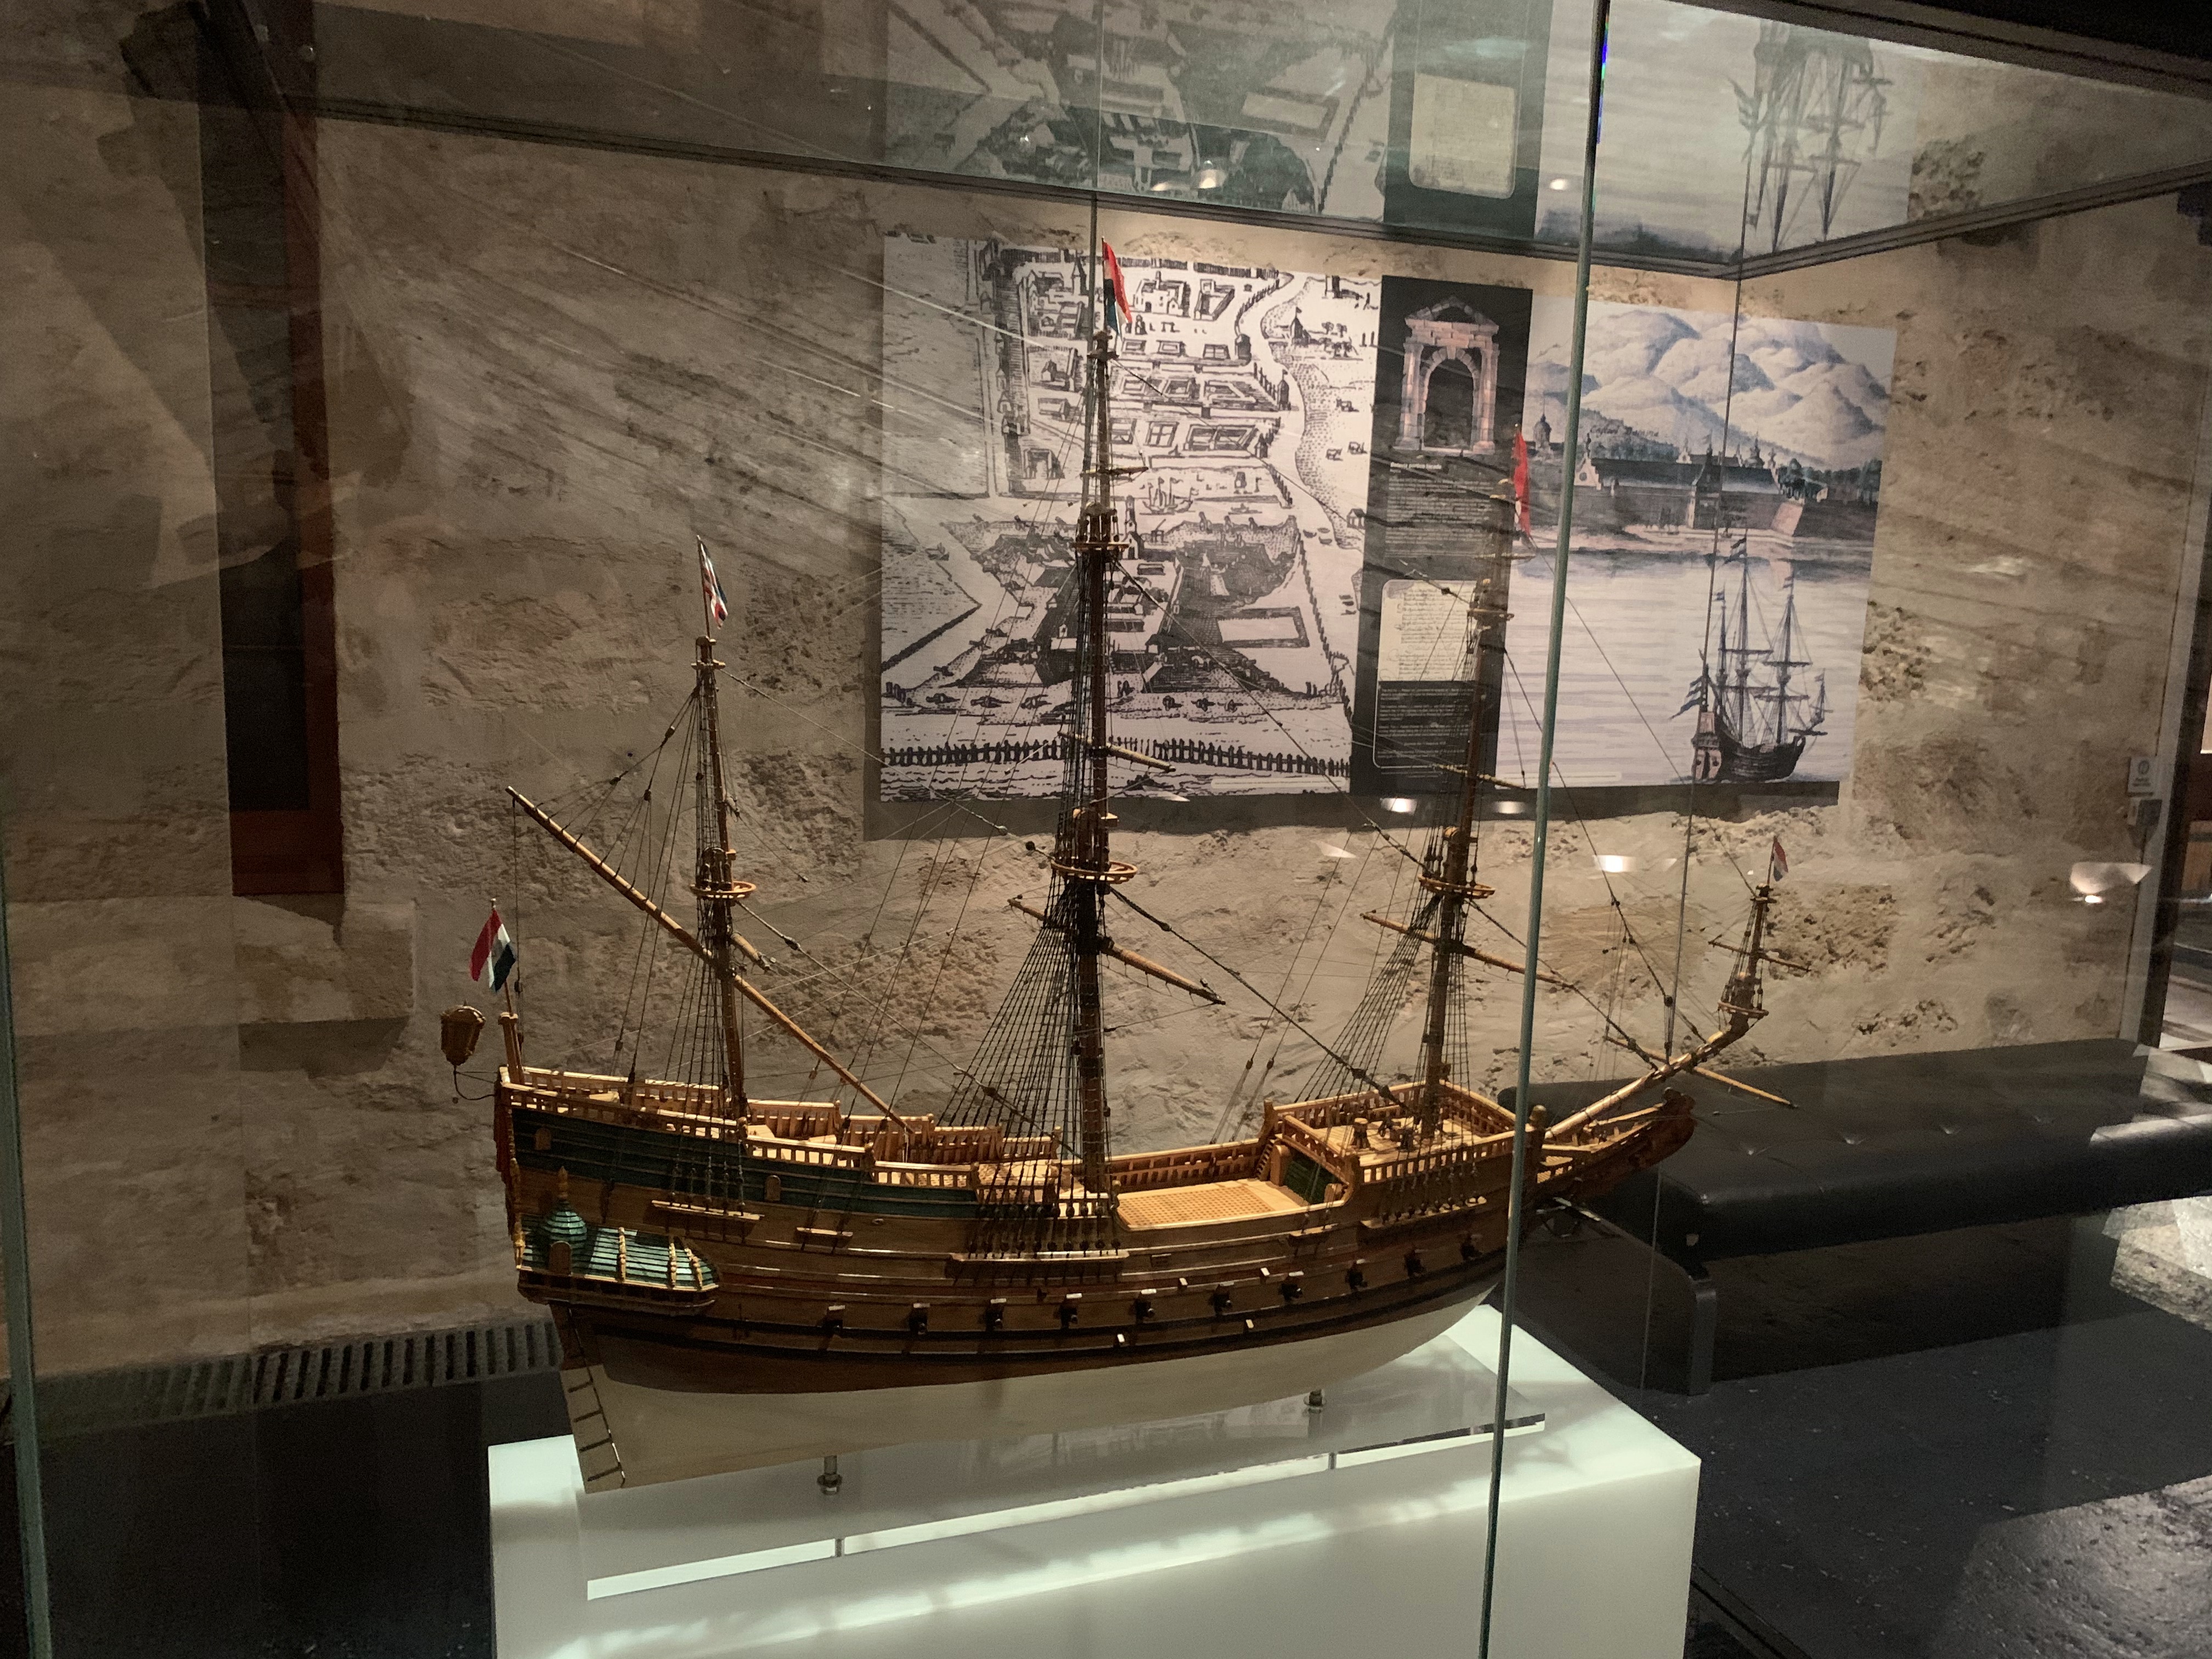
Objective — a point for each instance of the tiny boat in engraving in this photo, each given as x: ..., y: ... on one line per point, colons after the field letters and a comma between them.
x: 1753, y: 723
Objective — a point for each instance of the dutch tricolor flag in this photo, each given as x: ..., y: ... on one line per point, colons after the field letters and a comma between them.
x: 493, y: 960
x: 1117, y: 291
x: 710, y: 587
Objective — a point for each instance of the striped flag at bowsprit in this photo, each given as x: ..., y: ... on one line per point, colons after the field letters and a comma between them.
x: 493, y: 960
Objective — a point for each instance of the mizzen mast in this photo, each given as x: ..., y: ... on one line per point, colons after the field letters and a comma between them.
x: 1448, y: 870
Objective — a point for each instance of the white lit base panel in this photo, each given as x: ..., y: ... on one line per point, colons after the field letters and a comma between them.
x: 1268, y: 1531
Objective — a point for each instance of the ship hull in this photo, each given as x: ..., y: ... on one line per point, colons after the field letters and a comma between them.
x: 729, y: 1355
x: 666, y: 1434
x: 1741, y: 762
x: 747, y: 1266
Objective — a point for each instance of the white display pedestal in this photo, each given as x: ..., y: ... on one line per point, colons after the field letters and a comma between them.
x: 1327, y: 1552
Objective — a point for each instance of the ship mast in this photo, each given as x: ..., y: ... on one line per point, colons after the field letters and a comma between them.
x: 718, y: 891
x: 717, y: 943
x: 1745, y: 733
x: 1783, y: 656
x: 1083, y: 852
x: 1780, y: 660
x: 1452, y: 877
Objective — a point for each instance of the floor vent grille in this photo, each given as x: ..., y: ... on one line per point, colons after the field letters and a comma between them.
x: 92, y: 1402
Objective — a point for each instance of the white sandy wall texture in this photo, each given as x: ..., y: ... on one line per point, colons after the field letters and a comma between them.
x: 549, y: 366
x: 111, y: 730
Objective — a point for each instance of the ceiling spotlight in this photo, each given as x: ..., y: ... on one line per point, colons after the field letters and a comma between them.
x: 1558, y: 184
x: 1613, y: 863
x: 1210, y: 178
x: 1398, y: 804
x: 1512, y: 809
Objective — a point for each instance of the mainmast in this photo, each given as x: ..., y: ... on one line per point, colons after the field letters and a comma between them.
x: 1784, y: 658
x: 1083, y: 854
x: 717, y: 886
x: 1451, y: 877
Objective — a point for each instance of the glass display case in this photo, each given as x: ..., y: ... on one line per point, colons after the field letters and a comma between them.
x: 953, y: 823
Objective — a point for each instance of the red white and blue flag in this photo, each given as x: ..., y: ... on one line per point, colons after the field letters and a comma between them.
x: 710, y: 588
x: 1116, y: 290
x: 493, y: 960
x: 1778, y: 865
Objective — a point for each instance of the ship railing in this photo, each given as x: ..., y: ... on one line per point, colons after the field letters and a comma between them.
x: 1337, y: 1110
x: 858, y: 1159
x: 1332, y: 1113
x: 1414, y: 1166
x: 1021, y: 1200
x: 1313, y: 1143
x: 1470, y: 1175
x: 1186, y: 1166
x: 1053, y: 1189
x: 1027, y: 1194
x: 574, y: 1094
x: 597, y: 1094
x: 573, y: 1087
x: 925, y: 1175
x: 925, y: 1141
x: 796, y: 1120
x: 698, y: 1099
x: 595, y: 1086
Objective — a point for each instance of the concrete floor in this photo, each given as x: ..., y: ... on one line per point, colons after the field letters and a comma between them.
x: 2188, y: 1019
x: 349, y: 1529
x: 1964, y: 1447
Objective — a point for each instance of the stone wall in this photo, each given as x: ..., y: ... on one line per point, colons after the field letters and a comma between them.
x: 112, y: 779
x: 548, y: 366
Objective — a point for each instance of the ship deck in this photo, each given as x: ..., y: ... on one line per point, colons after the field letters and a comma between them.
x: 1211, y: 1200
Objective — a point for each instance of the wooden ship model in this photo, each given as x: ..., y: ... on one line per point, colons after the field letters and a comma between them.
x: 739, y: 1280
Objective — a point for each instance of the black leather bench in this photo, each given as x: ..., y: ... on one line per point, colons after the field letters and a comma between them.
x: 1900, y: 1144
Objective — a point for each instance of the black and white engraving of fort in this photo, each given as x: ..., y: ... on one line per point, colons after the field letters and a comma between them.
x: 1244, y: 395
x: 1232, y: 101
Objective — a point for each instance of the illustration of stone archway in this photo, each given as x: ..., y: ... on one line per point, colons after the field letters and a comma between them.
x: 1450, y: 332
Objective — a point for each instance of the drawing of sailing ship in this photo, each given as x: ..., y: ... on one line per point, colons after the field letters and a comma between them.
x: 856, y: 1273
x: 1753, y: 721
